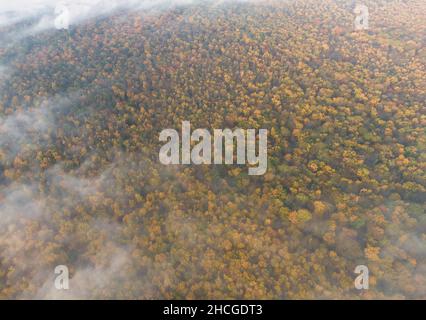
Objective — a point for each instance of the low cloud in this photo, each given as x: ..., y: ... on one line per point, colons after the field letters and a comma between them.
x: 29, y: 246
x: 48, y: 10
x: 28, y: 129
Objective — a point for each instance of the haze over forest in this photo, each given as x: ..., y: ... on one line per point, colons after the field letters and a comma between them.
x: 81, y: 184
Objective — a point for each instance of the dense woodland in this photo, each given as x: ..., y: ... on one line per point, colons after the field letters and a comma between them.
x: 81, y: 184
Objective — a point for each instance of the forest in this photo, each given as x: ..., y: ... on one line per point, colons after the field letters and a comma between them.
x: 81, y: 184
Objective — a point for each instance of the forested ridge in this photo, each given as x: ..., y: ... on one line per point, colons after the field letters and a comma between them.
x: 81, y: 184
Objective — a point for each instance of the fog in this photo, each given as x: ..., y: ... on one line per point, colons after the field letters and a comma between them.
x: 23, y: 205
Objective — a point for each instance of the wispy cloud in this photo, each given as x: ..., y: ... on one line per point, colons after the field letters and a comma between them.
x: 29, y: 128
x: 16, y: 11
